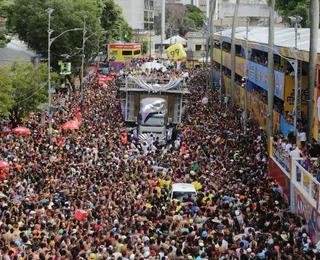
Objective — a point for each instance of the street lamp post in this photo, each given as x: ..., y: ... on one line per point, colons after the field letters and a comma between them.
x: 50, y: 41
x: 246, y: 80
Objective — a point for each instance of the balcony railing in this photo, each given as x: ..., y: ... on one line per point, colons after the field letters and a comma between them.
x: 282, y: 157
x: 304, y: 180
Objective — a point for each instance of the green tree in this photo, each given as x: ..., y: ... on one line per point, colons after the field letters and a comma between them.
x: 6, y: 92
x: 30, y: 21
x: 23, y: 87
x: 287, y: 8
x: 196, y: 15
x: 114, y: 23
x: 177, y: 20
x: 5, y: 10
x: 145, y: 47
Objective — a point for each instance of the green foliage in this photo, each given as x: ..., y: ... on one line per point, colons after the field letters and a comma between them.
x: 30, y: 21
x: 183, y: 18
x: 5, y: 8
x: 23, y: 87
x: 287, y: 8
x: 177, y: 20
x: 6, y: 92
x: 196, y: 15
x: 3, y: 38
x: 114, y: 23
x: 193, y: 9
x: 145, y: 47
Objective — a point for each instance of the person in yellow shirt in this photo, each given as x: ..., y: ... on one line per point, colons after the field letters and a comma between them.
x: 197, y: 185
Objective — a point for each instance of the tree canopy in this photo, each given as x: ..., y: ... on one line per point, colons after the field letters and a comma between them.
x: 5, y: 10
x: 23, y: 87
x: 183, y: 18
x: 196, y: 15
x: 287, y: 8
x: 30, y: 21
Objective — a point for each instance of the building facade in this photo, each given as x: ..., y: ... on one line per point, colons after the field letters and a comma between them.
x: 139, y: 13
x: 140, y: 16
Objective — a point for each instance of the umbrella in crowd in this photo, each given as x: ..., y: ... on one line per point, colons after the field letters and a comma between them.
x: 21, y: 130
x: 4, y: 165
x: 204, y: 100
x: 70, y: 125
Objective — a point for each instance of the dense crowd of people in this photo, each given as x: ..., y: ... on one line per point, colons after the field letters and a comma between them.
x: 87, y: 194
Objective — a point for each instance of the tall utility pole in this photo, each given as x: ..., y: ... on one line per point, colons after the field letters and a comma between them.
x: 271, y: 80
x: 83, y: 43
x: 163, y: 24
x: 246, y: 80
x: 208, y: 29
x: 233, y: 51
x: 212, y: 27
x: 49, y: 11
x: 150, y: 43
x: 296, y: 20
x: 314, y: 24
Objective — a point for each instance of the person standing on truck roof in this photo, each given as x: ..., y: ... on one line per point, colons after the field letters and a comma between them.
x: 150, y: 141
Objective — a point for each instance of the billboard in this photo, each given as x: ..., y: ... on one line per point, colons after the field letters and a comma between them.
x: 258, y: 74
x: 278, y: 175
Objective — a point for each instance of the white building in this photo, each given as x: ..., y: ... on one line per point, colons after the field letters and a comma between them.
x: 140, y: 16
x: 138, y: 13
x: 225, y: 8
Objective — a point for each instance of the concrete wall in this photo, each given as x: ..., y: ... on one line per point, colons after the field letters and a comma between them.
x: 133, y: 12
x: 245, y: 10
x: 195, y: 38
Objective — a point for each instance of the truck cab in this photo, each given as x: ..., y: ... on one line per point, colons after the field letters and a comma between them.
x: 183, y: 191
x: 153, y: 119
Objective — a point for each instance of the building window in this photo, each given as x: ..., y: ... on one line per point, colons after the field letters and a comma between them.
x: 198, y: 47
x: 127, y: 53
x: 148, y: 26
x: 136, y: 52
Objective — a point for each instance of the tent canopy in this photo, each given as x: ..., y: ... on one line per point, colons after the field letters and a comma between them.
x: 176, y: 39
x: 153, y: 65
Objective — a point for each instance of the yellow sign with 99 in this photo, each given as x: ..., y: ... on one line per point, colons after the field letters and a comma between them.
x: 176, y: 52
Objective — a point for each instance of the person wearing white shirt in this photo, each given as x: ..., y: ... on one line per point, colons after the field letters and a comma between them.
x: 296, y: 153
x: 303, y: 137
x: 288, y: 146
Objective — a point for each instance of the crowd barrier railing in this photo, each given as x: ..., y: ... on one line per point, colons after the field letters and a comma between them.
x: 304, y: 180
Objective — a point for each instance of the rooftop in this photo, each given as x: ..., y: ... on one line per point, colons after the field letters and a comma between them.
x: 283, y: 37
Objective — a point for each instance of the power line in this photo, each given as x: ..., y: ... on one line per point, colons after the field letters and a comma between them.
x: 33, y: 93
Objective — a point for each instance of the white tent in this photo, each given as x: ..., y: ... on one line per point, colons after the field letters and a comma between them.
x: 153, y: 65
x: 175, y: 39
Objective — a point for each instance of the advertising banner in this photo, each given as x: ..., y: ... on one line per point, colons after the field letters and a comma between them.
x: 258, y: 74
x: 227, y: 85
x: 240, y: 63
x: 281, y: 178
x: 289, y: 94
x: 304, y: 209
x: 316, y: 115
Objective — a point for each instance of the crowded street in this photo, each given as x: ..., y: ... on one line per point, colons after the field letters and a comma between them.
x: 89, y: 193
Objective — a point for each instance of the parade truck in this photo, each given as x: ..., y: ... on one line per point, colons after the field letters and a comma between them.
x: 153, y: 106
